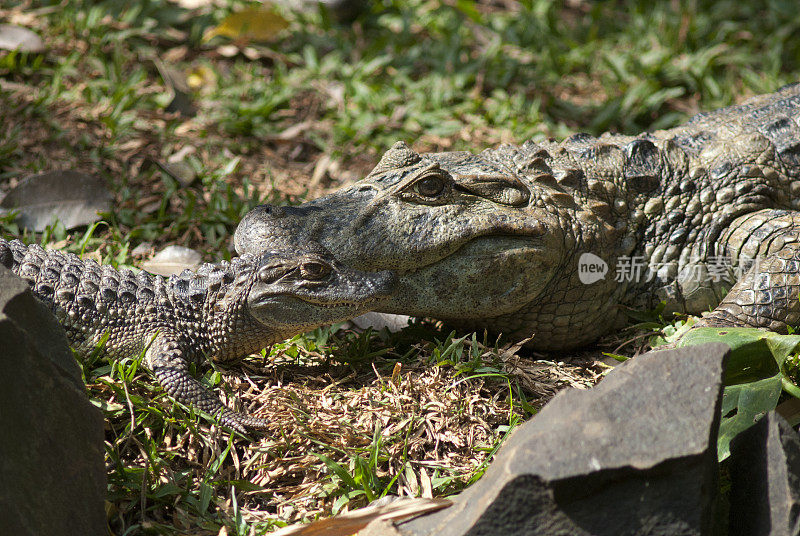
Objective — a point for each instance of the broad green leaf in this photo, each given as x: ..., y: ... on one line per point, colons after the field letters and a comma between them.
x: 755, y: 354
x: 754, y: 375
x: 751, y: 401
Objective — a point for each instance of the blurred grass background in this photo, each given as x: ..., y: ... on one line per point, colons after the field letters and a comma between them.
x: 192, y: 132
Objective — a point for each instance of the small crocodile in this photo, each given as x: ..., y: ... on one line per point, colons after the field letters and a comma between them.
x: 224, y: 311
x: 555, y: 239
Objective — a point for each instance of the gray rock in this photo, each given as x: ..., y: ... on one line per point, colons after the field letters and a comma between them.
x: 52, y: 477
x: 765, y: 479
x: 634, y: 455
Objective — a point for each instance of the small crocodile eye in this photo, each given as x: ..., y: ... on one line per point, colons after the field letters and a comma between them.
x: 272, y: 273
x: 314, y: 270
x: 266, y: 275
x: 430, y: 186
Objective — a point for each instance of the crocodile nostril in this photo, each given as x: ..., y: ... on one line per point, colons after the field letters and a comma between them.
x: 273, y: 211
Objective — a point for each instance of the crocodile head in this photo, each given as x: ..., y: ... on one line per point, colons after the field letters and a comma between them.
x: 441, y: 221
x: 293, y: 293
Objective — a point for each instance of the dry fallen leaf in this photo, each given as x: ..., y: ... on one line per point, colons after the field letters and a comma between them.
x: 19, y: 38
x: 352, y: 522
x: 378, y: 321
x: 257, y: 23
x: 172, y: 260
x: 71, y: 197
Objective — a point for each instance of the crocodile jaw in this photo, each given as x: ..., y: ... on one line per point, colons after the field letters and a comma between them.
x: 493, y: 276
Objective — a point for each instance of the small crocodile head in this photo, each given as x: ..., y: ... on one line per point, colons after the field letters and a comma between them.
x: 442, y: 221
x: 293, y: 293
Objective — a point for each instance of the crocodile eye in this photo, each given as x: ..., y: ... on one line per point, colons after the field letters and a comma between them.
x: 314, y: 270
x: 267, y: 274
x: 430, y: 186
x: 270, y: 274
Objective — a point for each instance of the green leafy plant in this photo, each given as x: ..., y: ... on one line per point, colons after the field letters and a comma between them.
x: 755, y: 376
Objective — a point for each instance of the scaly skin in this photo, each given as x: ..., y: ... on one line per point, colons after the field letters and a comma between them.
x: 494, y: 240
x: 223, y: 311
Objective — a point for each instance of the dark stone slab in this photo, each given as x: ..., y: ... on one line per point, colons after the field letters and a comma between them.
x: 765, y: 479
x: 52, y: 475
x: 33, y: 318
x: 634, y: 455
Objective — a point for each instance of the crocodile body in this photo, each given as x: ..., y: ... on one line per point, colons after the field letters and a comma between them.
x: 222, y: 311
x: 515, y: 239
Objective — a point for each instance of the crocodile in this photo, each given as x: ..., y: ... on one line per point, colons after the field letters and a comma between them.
x: 223, y: 311
x: 557, y: 239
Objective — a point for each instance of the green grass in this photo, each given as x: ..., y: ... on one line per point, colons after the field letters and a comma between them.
x: 458, y: 75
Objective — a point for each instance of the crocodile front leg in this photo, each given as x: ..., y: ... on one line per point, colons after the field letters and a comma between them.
x: 767, y: 295
x: 167, y: 359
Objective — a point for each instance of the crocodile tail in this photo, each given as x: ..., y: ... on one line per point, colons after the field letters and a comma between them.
x: 237, y: 421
